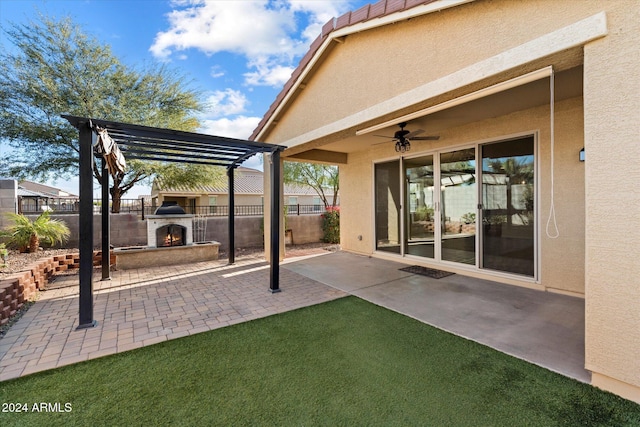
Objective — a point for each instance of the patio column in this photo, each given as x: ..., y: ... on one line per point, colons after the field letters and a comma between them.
x: 106, y: 236
x: 231, y: 213
x: 275, y: 218
x: 86, y: 227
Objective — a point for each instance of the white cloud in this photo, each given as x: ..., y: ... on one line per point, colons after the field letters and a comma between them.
x: 225, y: 103
x: 267, y: 73
x: 246, y: 27
x: 254, y: 162
x: 271, y: 35
x: 239, y: 127
x: 216, y: 71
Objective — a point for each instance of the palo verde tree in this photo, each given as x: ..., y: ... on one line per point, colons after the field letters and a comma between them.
x: 51, y: 68
x: 318, y: 176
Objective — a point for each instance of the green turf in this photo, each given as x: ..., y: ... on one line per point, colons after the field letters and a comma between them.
x: 346, y: 362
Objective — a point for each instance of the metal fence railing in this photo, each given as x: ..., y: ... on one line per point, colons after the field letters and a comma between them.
x: 143, y: 208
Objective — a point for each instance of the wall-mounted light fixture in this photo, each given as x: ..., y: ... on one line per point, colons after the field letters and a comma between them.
x: 581, y: 155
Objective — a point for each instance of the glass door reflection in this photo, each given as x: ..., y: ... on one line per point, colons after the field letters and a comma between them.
x: 458, y: 206
x: 388, y: 201
x: 508, y: 214
x: 420, y: 203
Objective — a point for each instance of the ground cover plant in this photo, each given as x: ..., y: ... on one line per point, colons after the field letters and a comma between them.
x: 346, y: 362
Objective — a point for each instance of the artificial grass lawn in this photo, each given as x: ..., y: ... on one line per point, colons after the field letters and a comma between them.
x: 346, y: 362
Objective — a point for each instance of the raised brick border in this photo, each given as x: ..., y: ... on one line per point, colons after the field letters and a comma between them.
x: 17, y: 289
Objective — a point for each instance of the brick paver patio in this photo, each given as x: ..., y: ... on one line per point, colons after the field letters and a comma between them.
x: 147, y: 306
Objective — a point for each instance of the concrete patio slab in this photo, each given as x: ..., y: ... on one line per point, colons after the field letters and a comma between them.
x: 543, y: 328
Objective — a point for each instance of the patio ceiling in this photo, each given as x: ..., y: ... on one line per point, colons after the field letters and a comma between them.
x: 568, y: 84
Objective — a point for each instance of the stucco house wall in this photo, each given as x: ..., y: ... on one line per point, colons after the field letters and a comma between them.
x: 366, y: 74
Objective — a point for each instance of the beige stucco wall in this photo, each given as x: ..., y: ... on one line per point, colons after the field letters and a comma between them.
x: 562, y: 258
x: 612, y: 143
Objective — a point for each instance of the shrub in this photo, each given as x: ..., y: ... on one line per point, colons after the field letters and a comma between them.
x: 26, y: 234
x: 331, y: 225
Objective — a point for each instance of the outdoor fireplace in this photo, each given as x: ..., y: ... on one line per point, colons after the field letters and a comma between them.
x: 169, y: 226
x: 170, y: 242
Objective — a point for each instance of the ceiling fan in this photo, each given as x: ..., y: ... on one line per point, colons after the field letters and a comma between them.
x: 404, y: 137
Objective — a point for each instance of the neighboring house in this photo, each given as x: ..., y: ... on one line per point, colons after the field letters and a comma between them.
x: 519, y: 93
x: 248, y: 190
x: 34, y: 197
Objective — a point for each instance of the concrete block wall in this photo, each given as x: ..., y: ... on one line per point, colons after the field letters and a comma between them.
x: 131, y: 230
x: 126, y: 230
x: 249, y: 230
x: 18, y: 288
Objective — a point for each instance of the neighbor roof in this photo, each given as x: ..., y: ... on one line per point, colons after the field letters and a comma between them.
x: 42, y: 190
x: 350, y: 22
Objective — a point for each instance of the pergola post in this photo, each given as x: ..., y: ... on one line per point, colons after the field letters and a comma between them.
x: 106, y: 235
x: 86, y: 227
x: 274, y: 275
x: 231, y: 214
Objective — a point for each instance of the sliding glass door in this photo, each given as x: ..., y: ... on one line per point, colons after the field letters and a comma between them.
x: 432, y: 206
x: 388, y: 201
x: 458, y: 205
x: 420, y: 202
x: 508, y: 214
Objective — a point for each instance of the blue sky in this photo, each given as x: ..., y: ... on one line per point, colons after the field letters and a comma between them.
x: 239, y: 53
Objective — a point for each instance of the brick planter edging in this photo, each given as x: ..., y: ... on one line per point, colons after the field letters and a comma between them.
x: 17, y: 289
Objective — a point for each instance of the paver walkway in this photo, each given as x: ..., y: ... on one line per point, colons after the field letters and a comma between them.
x: 147, y: 306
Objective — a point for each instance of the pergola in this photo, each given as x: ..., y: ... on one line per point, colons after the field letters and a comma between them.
x: 164, y: 145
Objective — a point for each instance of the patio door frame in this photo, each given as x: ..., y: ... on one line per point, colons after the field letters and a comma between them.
x: 404, y: 209
x: 437, y: 198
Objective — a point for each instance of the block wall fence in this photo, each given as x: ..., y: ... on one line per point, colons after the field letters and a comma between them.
x: 131, y: 230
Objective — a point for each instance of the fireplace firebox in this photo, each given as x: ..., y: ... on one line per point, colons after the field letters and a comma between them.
x: 171, y: 235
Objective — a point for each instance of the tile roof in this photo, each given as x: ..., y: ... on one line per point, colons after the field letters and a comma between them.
x: 365, y: 13
x: 246, y: 181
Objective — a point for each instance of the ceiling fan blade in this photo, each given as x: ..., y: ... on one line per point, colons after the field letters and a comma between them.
x: 384, y: 136
x: 384, y: 142
x: 426, y: 138
x: 415, y: 132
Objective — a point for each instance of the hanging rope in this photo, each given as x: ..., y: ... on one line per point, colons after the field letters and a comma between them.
x: 552, y: 224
